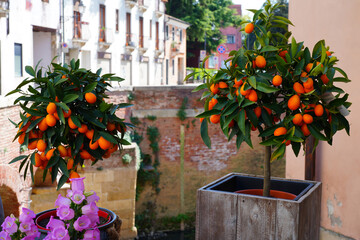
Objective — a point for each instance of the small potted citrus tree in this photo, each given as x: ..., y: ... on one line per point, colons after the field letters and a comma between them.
x: 65, y: 120
x: 285, y: 93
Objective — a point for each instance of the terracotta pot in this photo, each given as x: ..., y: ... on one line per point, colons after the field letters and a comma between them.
x: 273, y: 193
x: 103, y: 212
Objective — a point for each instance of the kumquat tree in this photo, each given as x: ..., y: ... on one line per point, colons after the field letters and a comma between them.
x: 278, y: 88
x: 65, y: 120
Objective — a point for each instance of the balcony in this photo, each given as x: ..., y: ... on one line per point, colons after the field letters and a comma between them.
x: 159, y: 9
x: 4, y: 8
x: 143, y: 44
x: 159, y: 47
x: 130, y: 3
x: 142, y: 6
x: 130, y: 44
x: 81, y: 34
x: 106, y: 37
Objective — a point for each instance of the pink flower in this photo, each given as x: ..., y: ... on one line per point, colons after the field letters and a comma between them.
x: 93, y: 197
x: 9, y: 225
x: 82, y: 223
x: 69, y: 193
x: 34, y: 232
x: 94, y: 219
x: 60, y: 233
x: 65, y: 213
x: 92, y: 234
x: 54, y: 223
x: 62, y: 201
x: 77, y: 184
x: 26, y: 226
x: 4, y: 236
x: 26, y: 215
x: 78, y: 197
x: 90, y: 209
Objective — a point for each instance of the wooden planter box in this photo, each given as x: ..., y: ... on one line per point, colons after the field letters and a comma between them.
x: 223, y: 214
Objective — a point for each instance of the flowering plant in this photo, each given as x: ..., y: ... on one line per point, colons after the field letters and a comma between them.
x: 22, y: 228
x: 77, y: 213
x: 66, y: 120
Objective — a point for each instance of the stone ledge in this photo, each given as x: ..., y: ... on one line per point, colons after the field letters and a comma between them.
x: 164, y: 113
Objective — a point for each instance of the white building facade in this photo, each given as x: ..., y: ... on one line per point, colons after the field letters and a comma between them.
x: 124, y: 37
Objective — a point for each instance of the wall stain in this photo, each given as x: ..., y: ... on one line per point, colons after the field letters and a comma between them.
x: 335, y: 220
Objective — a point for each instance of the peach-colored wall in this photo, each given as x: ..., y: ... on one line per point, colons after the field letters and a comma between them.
x: 337, y: 166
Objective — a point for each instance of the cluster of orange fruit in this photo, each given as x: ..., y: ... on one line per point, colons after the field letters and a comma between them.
x: 37, y: 139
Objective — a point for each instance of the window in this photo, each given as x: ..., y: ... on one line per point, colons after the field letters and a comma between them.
x: 117, y: 20
x: 18, y: 60
x: 173, y: 66
x: 157, y: 35
x: 173, y: 34
x: 150, y: 34
x: 181, y: 34
x: 167, y: 32
x: 230, y: 39
x: 128, y: 28
x: 77, y: 25
x: 102, y: 37
x: 141, y: 36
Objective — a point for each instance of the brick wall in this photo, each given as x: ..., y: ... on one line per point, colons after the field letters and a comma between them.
x: 202, y: 165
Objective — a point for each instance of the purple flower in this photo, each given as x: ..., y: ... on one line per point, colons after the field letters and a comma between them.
x: 62, y: 201
x: 93, y: 197
x: 94, y: 219
x: 26, y: 215
x: 34, y: 232
x: 48, y: 237
x: 54, y: 223
x: 9, y: 225
x: 65, y: 213
x: 4, y: 236
x: 69, y: 193
x: 92, y: 234
x: 90, y: 209
x: 25, y: 226
x: 29, y: 237
x: 60, y: 233
x: 77, y: 184
x: 82, y: 223
x: 78, y: 197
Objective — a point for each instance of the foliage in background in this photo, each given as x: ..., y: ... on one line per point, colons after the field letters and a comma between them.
x: 206, y: 18
x: 198, y: 74
x: 66, y: 120
x: 148, y: 170
x: 181, y: 114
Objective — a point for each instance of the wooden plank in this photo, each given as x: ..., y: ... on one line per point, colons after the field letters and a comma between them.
x: 256, y: 217
x: 287, y: 219
x: 216, y: 215
x: 309, y: 214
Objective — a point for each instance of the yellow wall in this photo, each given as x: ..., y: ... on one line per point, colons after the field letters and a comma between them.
x: 337, y: 166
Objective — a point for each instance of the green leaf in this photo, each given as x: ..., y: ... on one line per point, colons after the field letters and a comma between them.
x: 262, y: 87
x: 18, y: 158
x: 269, y: 48
x: 90, y: 87
x: 189, y: 76
x: 61, y: 115
x: 61, y: 182
x: 33, y: 124
x: 204, y: 133
x: 125, y: 105
x: 105, y: 106
x: 30, y: 71
x: 200, y: 87
x: 117, y: 79
x: 256, y: 15
x: 284, y: 20
x: 316, y: 133
x: 241, y: 121
x: 230, y: 109
x: 63, y: 167
x: 239, y: 139
x: 341, y: 79
x: 208, y: 113
x: 76, y: 120
x: 51, y: 90
x: 252, y: 81
x: 12, y: 92
x: 299, y: 67
x: 31, y: 111
x: 296, y: 147
x: 341, y: 71
x: 293, y: 47
x: 108, y: 137
x: 278, y: 153
x: 269, y: 142
x: 69, y: 98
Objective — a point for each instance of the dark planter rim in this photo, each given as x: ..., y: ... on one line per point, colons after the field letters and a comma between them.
x: 221, y: 180
x: 101, y: 227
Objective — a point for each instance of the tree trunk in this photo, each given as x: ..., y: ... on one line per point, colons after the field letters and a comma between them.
x: 267, y: 172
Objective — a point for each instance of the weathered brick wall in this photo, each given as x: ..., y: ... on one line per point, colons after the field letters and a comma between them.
x: 202, y: 165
